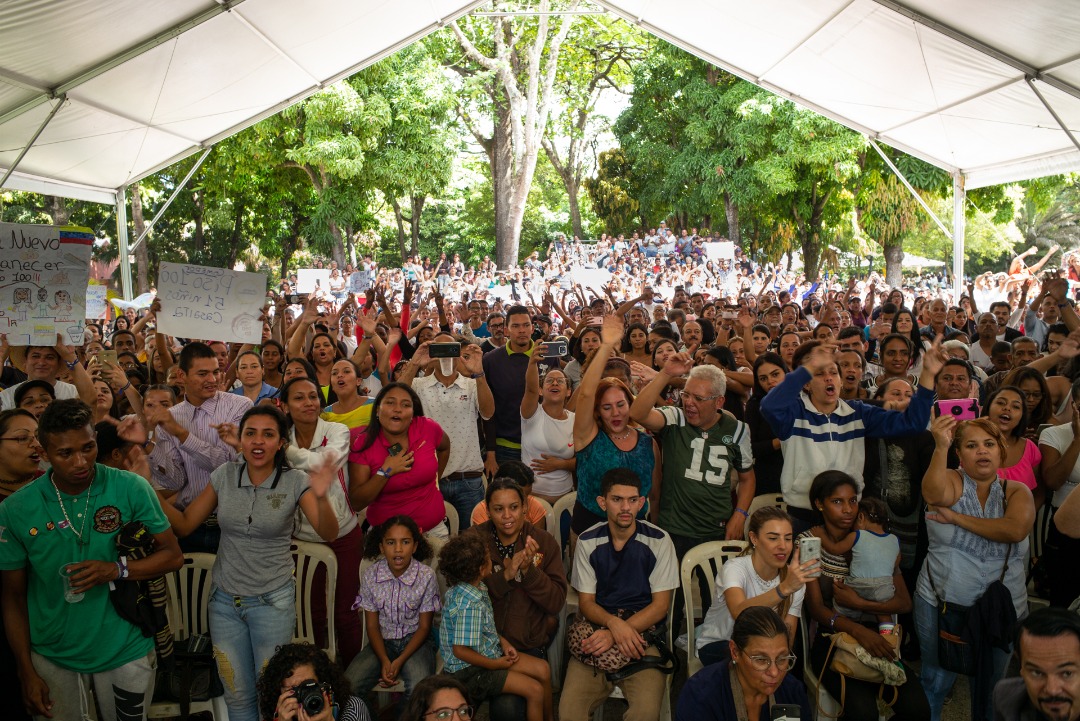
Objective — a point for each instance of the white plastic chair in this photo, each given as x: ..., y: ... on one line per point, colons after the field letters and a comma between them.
x: 821, y: 701
x: 708, y: 558
x: 549, y: 515
x: 452, y: 518
x: 563, y: 510
x: 188, y: 591
x: 308, y: 557
x: 766, y: 499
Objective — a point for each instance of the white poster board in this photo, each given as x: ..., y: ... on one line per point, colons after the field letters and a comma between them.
x: 359, y: 282
x: 720, y: 250
x: 310, y: 279
x: 595, y: 278
x: 210, y: 303
x: 96, y: 301
x: 44, y: 271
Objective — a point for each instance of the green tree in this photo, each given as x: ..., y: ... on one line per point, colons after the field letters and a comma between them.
x: 610, y: 191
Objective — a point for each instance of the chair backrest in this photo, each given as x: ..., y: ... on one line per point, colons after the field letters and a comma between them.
x: 766, y: 499
x: 308, y: 557
x: 706, y: 558
x: 549, y: 515
x: 188, y: 592
x: 563, y: 510
x: 452, y: 518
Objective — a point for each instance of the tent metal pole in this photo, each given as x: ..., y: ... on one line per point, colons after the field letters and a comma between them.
x: 122, y: 242
x: 183, y: 184
x: 1049, y: 109
x: 959, y: 202
x: 26, y: 148
x: 910, y: 188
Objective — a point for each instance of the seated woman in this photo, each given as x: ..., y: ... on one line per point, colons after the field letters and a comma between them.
x: 759, y: 577
x: 834, y: 494
x: 442, y: 698
x: 291, y: 672
x: 522, y: 475
x: 754, y: 676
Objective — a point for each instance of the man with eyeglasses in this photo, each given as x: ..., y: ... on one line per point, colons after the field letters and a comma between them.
x: 496, y: 323
x: 187, y: 447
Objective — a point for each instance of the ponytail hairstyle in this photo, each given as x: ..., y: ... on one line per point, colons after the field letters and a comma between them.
x: 760, y: 517
x: 757, y: 621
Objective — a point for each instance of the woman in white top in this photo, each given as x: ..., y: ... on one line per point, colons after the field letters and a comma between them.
x: 1060, y: 446
x: 312, y: 441
x: 760, y: 577
x: 547, y: 430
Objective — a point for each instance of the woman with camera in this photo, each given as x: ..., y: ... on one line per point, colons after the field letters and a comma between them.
x: 753, y: 684
x: 301, y: 683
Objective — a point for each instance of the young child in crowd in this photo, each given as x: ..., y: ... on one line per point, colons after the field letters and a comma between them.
x: 399, y: 596
x: 875, y: 558
x: 472, y: 650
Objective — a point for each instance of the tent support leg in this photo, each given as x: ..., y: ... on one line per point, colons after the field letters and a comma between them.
x: 181, y: 186
x: 122, y: 241
x: 41, y: 128
x: 959, y: 202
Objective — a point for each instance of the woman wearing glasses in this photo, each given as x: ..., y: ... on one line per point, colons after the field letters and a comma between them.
x: 547, y: 430
x: 438, y: 698
x: 752, y: 681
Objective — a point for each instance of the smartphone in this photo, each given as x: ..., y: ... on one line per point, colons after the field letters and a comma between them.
x: 965, y: 409
x: 785, y: 712
x: 555, y: 349
x: 810, y: 550
x: 296, y: 298
x: 394, y: 449
x: 444, y: 350
x: 107, y: 357
x: 729, y: 315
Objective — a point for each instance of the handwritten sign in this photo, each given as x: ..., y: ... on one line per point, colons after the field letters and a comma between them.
x: 210, y: 303
x: 95, y: 300
x: 312, y: 280
x: 359, y: 281
x: 44, y: 271
x: 720, y: 250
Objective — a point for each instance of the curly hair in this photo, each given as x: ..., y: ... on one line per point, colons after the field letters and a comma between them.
x: 373, y: 541
x: 461, y: 559
x: 282, y: 664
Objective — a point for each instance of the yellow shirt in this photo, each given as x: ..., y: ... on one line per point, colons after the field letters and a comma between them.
x: 356, y: 418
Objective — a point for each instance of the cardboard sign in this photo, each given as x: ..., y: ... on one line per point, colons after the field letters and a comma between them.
x: 95, y: 301
x: 44, y: 271
x: 359, y: 281
x: 311, y: 280
x: 210, y: 303
x: 720, y: 250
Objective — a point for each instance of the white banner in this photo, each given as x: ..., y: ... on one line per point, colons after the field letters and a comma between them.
x: 95, y: 301
x: 210, y: 303
x: 44, y: 271
x: 308, y: 280
x: 720, y: 250
x: 595, y: 278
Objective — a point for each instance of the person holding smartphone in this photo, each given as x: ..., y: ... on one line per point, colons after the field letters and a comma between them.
x: 753, y: 684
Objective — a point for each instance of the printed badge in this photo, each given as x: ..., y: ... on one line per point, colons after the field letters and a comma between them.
x: 107, y: 519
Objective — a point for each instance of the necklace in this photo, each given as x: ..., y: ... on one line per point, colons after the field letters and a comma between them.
x: 624, y: 436
x: 85, y: 513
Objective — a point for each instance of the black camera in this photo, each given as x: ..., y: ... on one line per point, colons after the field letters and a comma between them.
x: 309, y: 695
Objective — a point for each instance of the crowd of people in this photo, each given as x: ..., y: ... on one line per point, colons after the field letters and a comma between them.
x: 424, y: 430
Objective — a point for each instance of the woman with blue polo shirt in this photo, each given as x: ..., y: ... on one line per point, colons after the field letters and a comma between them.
x: 249, y: 371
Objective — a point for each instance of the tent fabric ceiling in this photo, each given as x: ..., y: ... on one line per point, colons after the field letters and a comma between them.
x: 983, y: 87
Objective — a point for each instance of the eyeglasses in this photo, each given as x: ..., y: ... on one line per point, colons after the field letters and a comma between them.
x: 696, y: 398
x: 554, y: 381
x: 21, y: 440
x: 445, y: 714
x: 764, y: 663
x: 1034, y: 395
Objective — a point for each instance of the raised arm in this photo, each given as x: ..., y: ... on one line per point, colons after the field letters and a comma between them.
x: 644, y: 410
x: 942, y: 486
x: 585, y: 428
x: 531, y: 400
x: 300, y: 328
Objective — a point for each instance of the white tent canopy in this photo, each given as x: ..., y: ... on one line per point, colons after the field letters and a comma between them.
x: 989, y: 90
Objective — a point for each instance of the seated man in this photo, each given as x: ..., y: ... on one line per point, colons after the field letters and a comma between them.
x: 58, y: 557
x: 624, y: 572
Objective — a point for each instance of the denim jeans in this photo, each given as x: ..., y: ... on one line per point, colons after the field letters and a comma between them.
x: 364, y: 671
x: 463, y: 495
x: 505, y: 453
x: 246, y: 631
x: 937, y: 681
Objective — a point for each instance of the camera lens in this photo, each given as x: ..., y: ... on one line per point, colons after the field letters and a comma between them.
x: 956, y: 410
x: 309, y: 695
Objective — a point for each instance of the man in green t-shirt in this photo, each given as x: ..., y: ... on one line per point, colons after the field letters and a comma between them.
x: 701, y: 446
x: 58, y: 556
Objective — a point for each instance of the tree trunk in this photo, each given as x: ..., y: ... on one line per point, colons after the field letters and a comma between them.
x: 811, y: 253
x: 200, y: 237
x: 57, y: 208
x: 414, y: 222
x: 337, y: 249
x: 731, y: 210
x: 400, y: 220
x: 142, y: 256
x: 236, y: 237
x: 502, y: 184
x: 894, y: 265
x: 292, y: 242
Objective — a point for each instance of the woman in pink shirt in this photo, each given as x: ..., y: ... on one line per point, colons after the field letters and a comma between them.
x: 394, y: 467
x: 1006, y: 408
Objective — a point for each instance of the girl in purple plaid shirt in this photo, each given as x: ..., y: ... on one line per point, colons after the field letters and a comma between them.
x: 399, y: 596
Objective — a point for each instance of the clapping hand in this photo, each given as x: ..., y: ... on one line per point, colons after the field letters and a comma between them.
x: 229, y: 434
x: 322, y: 476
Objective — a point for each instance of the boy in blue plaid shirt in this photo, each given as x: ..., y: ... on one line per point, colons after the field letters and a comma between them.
x: 473, y: 652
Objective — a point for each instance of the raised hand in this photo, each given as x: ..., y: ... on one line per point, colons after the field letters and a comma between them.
x: 611, y: 332
x: 943, y: 428
x: 323, y: 476
x: 472, y: 360
x: 679, y: 364
x: 229, y: 434
x: 821, y: 357
x: 933, y: 359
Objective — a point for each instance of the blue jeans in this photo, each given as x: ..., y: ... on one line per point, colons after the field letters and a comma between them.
x: 463, y: 495
x: 364, y: 671
x: 504, y: 454
x: 937, y: 681
x: 247, y: 631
